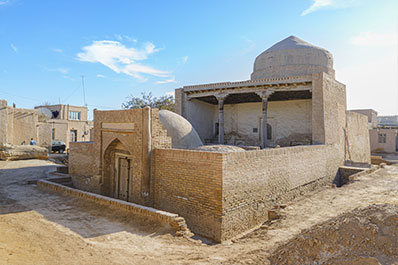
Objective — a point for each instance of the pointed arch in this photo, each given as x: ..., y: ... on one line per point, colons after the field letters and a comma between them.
x: 115, y: 146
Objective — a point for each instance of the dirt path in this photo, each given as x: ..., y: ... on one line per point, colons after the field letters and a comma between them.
x: 38, y: 227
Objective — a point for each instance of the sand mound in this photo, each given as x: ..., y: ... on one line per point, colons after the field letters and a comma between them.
x: 363, y: 236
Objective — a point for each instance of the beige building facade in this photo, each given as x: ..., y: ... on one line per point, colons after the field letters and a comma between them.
x: 383, y: 131
x: 69, y: 123
x: 292, y: 108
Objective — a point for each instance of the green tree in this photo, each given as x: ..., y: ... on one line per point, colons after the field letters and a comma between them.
x: 163, y: 102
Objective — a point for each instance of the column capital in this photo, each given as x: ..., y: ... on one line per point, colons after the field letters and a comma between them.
x: 264, y: 94
x: 221, y: 96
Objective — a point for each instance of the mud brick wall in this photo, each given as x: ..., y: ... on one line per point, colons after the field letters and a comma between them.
x: 189, y: 183
x: 358, y: 143
x: 255, y: 181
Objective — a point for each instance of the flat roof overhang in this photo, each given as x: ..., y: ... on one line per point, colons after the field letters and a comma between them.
x: 253, y: 97
x: 291, y: 88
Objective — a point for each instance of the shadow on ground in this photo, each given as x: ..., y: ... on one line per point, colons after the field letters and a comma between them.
x: 88, y: 219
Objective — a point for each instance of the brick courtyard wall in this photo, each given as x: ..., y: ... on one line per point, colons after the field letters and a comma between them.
x: 189, y: 183
x: 255, y: 181
x: 82, y: 167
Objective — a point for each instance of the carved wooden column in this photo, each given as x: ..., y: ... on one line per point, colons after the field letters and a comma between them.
x: 221, y: 98
x: 264, y: 98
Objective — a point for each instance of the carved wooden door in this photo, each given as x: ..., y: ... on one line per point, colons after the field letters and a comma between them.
x: 122, y: 177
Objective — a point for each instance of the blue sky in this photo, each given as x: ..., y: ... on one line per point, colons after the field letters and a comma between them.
x: 124, y: 48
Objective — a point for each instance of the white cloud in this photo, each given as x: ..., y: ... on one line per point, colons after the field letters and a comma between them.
x: 63, y: 71
x: 171, y: 80
x: 58, y: 50
x: 170, y: 93
x: 60, y: 70
x: 374, y: 39
x: 100, y: 76
x: 120, y: 37
x: 14, y: 48
x: 185, y: 59
x: 323, y: 4
x: 120, y: 58
x: 4, y: 2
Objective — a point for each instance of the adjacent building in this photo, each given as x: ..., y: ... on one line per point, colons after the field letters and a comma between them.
x: 68, y: 123
x: 18, y: 126
x: 383, y: 131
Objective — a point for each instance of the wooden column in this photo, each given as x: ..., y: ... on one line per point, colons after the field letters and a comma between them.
x: 264, y: 98
x: 264, y: 135
x: 221, y: 98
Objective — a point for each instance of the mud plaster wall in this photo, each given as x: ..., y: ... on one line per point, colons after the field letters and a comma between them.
x: 389, y: 146
x: 189, y: 183
x: 3, y: 122
x: 44, y: 135
x: 23, y: 126
x: 289, y: 120
x: 18, y: 125
x: 358, y: 145
x: 255, y: 181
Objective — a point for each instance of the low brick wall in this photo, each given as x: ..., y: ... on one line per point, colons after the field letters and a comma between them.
x: 176, y: 222
x: 222, y: 195
x: 82, y: 161
x: 256, y: 181
x: 190, y: 183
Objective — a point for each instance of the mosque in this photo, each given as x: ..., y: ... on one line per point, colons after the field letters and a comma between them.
x: 288, y: 126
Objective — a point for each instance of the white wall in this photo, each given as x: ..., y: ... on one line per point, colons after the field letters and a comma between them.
x: 285, y: 117
x: 201, y: 114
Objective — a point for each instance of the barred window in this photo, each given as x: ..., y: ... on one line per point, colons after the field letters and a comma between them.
x: 74, y: 115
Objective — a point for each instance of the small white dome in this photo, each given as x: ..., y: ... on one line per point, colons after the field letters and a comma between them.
x: 292, y: 57
x: 183, y: 135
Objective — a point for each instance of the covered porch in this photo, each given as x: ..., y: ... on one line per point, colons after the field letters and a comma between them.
x: 253, y: 113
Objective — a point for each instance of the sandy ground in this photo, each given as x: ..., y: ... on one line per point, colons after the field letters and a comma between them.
x: 39, y: 227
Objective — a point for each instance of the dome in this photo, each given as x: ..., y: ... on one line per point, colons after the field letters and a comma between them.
x: 292, y: 57
x: 183, y: 135
x: 220, y: 148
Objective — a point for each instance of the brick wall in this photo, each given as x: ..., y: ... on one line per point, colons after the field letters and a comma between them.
x: 189, y: 183
x: 91, y: 165
x: 222, y: 195
x: 255, y: 181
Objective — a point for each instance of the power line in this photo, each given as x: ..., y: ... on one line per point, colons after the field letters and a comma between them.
x: 27, y: 98
x: 97, y: 106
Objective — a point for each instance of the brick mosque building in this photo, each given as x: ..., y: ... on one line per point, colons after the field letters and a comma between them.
x: 287, y: 131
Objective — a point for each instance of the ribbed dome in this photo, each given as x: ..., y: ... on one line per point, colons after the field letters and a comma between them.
x: 292, y: 57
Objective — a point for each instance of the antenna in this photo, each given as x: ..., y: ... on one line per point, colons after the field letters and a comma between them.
x: 84, y: 92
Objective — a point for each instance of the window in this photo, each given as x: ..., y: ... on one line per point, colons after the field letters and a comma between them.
x: 53, y: 134
x: 74, y: 115
x: 269, y: 132
x: 382, y: 138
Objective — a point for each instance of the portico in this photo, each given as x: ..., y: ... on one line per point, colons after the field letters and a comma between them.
x: 255, y: 92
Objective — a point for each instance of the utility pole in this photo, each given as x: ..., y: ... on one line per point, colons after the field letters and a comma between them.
x: 84, y: 92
